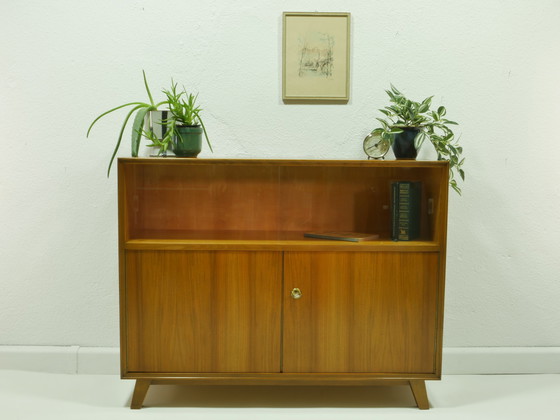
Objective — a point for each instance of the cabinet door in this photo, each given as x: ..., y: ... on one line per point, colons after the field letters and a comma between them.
x: 208, y: 311
x: 360, y: 312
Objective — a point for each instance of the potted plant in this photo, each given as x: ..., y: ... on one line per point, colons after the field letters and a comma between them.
x: 141, y: 109
x: 182, y: 113
x: 409, y: 123
x: 185, y: 122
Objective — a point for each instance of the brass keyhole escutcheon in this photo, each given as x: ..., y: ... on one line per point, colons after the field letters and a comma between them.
x: 296, y: 293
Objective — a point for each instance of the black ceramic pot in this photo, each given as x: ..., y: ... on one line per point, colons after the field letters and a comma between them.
x: 403, y: 144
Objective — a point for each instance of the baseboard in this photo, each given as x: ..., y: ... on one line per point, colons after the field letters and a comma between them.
x: 500, y: 360
x: 456, y: 360
x: 61, y: 359
x: 99, y: 361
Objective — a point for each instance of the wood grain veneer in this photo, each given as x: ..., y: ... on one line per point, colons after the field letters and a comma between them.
x: 210, y: 250
x: 360, y: 312
x: 203, y: 311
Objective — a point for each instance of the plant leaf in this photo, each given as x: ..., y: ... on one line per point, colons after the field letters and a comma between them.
x: 427, y: 101
x: 205, y: 134
x: 111, y: 110
x: 453, y: 183
x: 121, y: 134
x: 147, y: 88
x: 385, y: 112
x: 383, y: 122
x: 137, y: 129
x: 386, y: 136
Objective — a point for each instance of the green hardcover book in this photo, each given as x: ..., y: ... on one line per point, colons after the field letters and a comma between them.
x: 406, y: 200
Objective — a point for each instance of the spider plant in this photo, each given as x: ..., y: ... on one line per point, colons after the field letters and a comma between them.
x: 141, y: 109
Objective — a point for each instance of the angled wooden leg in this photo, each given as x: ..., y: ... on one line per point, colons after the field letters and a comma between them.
x: 418, y: 388
x: 140, y: 390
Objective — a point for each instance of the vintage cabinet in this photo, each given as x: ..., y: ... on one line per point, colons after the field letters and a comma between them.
x: 218, y: 285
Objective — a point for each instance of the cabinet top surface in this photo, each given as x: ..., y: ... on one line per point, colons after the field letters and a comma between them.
x: 285, y: 162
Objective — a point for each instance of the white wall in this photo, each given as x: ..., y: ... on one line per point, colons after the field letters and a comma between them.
x: 494, y: 64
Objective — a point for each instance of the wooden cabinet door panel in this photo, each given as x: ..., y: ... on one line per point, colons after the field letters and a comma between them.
x: 360, y: 312
x: 208, y: 311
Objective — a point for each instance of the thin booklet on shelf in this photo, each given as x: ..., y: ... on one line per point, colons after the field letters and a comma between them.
x: 342, y: 236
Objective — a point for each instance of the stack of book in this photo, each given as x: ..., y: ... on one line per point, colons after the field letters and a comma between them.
x: 406, y: 198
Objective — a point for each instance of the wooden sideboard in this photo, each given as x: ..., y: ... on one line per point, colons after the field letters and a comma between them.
x: 218, y: 284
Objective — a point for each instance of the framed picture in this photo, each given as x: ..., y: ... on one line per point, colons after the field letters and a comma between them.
x: 316, y: 57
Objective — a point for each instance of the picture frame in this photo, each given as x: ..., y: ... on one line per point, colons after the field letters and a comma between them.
x: 316, y: 57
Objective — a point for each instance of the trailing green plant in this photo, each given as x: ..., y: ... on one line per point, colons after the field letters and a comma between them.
x: 141, y: 109
x: 184, y: 111
x: 405, y: 113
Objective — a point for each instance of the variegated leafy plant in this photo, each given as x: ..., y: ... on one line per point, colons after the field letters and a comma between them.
x: 405, y: 113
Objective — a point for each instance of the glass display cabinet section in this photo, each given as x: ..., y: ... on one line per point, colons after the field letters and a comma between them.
x: 271, y: 200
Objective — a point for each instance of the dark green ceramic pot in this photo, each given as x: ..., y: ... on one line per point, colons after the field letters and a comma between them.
x: 188, y: 141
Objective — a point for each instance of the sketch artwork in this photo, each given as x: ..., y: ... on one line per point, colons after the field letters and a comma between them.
x: 316, y: 55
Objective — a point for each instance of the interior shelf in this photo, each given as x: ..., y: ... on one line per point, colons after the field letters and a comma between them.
x: 182, y: 203
x: 262, y: 240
